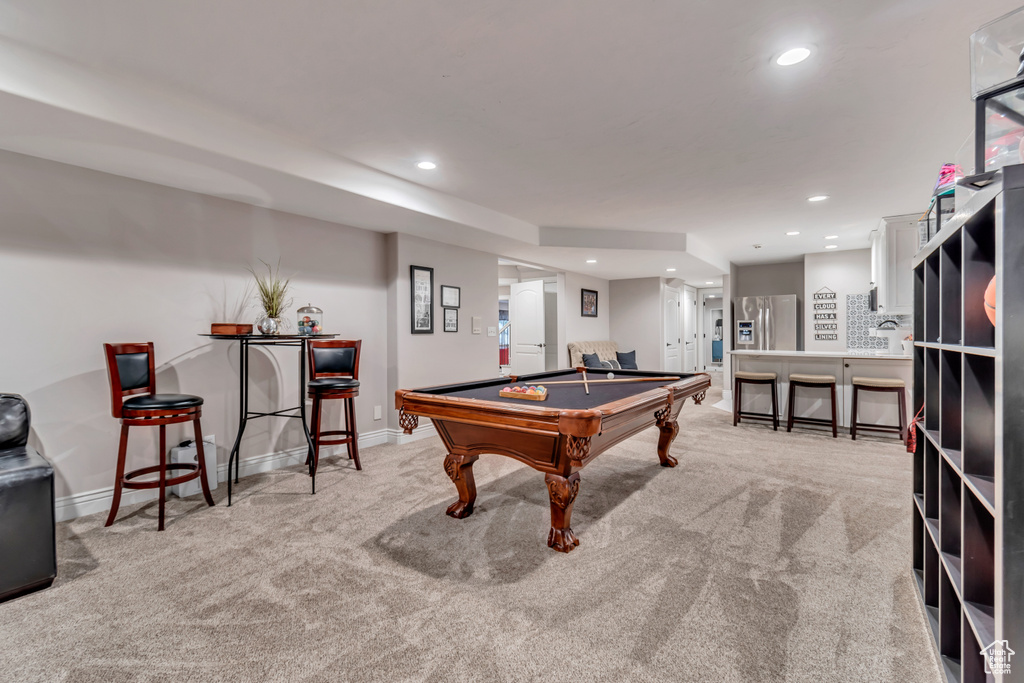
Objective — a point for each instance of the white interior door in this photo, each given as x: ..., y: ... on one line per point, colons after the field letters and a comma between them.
x: 689, y: 332
x: 526, y: 313
x: 673, y: 337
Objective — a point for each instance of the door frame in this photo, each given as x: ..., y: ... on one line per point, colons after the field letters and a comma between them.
x: 705, y: 330
x: 665, y: 290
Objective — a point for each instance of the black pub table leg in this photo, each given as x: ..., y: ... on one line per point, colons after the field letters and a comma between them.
x: 243, y: 411
x: 310, y: 456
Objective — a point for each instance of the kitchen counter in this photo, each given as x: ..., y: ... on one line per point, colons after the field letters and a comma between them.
x: 874, y: 408
x: 849, y: 353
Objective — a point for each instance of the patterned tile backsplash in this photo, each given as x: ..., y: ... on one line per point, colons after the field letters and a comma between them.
x: 860, y: 319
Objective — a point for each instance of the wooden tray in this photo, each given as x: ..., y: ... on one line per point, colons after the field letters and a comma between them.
x: 505, y: 393
x: 230, y: 328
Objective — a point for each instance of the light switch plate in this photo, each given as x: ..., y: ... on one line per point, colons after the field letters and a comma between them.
x: 492, y: 331
x: 477, y: 322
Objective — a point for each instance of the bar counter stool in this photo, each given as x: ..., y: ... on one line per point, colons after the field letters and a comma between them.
x: 884, y: 384
x: 740, y: 378
x: 334, y: 374
x: 131, y: 370
x: 815, y: 382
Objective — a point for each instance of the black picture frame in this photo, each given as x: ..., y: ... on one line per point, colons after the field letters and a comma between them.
x: 449, y: 291
x: 421, y: 299
x: 451, y: 320
x: 588, y: 303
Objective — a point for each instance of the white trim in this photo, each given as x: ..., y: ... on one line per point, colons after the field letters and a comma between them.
x: 424, y: 431
x: 90, y: 502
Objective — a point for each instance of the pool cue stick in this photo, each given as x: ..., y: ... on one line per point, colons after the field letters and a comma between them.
x: 585, y: 385
x: 613, y: 381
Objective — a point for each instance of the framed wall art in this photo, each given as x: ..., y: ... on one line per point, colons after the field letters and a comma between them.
x: 421, y: 287
x: 588, y: 303
x: 451, y: 297
x: 451, y: 320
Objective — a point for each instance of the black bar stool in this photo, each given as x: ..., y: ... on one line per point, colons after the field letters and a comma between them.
x: 884, y: 384
x: 739, y: 379
x: 334, y: 374
x: 815, y: 382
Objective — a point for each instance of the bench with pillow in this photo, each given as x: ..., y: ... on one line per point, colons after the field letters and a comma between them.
x: 600, y: 355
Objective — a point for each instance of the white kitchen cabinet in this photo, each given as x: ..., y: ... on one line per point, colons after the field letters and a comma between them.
x: 893, y: 246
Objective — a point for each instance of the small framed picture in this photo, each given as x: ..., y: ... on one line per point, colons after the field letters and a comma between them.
x: 451, y: 320
x: 421, y: 281
x: 588, y: 303
x: 451, y: 297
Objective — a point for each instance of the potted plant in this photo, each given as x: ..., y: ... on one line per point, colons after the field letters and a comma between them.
x: 271, y: 290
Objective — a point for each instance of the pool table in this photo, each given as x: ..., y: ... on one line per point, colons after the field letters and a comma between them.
x: 557, y: 436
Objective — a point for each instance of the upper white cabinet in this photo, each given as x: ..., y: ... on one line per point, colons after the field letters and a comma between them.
x: 893, y: 246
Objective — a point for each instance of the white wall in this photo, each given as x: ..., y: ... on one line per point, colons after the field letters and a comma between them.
x: 578, y: 328
x: 844, y: 272
x: 769, y: 279
x: 87, y: 258
x: 420, y: 360
x: 636, y: 319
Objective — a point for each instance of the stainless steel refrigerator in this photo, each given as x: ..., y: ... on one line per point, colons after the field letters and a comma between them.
x: 767, y: 323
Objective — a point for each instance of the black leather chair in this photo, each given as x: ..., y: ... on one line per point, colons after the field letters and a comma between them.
x: 28, y: 543
x: 132, y: 371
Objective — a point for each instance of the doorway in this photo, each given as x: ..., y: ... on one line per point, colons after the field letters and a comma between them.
x: 672, y: 341
x: 712, y: 330
x: 528, y: 310
x: 689, y: 310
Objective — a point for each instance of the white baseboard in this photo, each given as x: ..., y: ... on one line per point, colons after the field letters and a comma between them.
x: 90, y: 502
x: 424, y: 431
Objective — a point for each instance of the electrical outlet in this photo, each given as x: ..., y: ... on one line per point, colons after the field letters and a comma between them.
x: 492, y: 331
x: 376, y: 412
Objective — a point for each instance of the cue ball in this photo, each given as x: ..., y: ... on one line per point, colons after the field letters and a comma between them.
x: 611, y: 375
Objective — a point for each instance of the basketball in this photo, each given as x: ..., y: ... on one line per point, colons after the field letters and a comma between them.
x: 990, y: 301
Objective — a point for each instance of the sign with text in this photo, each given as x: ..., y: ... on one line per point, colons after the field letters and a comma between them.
x: 825, y: 308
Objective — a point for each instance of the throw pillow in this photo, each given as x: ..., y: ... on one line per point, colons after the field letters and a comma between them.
x: 590, y: 360
x: 627, y: 360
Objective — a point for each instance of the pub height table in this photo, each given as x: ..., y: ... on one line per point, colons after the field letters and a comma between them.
x: 299, y: 341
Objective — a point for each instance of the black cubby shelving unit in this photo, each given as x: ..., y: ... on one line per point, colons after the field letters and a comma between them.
x: 968, y: 530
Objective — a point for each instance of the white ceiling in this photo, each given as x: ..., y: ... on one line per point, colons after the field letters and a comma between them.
x: 599, y: 114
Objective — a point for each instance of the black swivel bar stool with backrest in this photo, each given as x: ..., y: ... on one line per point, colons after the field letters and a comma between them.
x: 132, y: 372
x: 334, y: 374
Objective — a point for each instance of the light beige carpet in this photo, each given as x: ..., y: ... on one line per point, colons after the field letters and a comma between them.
x: 763, y: 557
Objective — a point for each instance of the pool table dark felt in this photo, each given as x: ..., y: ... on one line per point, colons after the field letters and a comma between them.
x: 558, y: 436
x: 567, y: 396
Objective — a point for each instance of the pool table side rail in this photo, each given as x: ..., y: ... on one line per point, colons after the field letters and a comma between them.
x: 534, y: 418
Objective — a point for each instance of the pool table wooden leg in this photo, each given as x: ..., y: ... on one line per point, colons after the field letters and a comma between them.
x: 669, y: 428
x: 460, y: 470
x: 562, y: 492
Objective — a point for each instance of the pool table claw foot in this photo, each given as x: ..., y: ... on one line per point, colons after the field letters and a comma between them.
x: 562, y: 493
x: 459, y: 469
x: 562, y: 540
x: 669, y: 428
x: 459, y: 509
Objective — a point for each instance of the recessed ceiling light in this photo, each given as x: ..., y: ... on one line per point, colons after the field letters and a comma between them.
x: 709, y: 282
x: 831, y: 246
x: 794, y: 56
x: 591, y: 260
x: 426, y: 165
x: 831, y: 237
x: 818, y: 198
x: 793, y: 232
x: 670, y: 270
